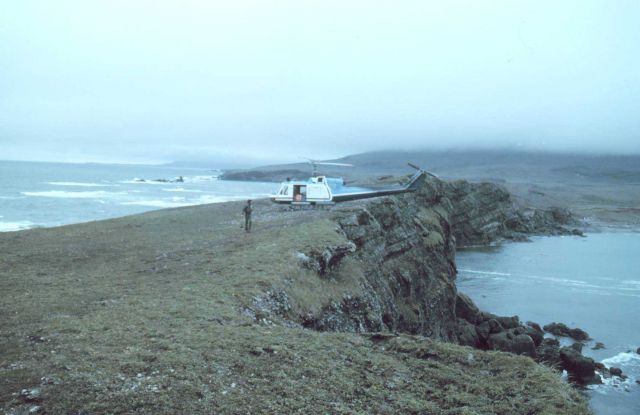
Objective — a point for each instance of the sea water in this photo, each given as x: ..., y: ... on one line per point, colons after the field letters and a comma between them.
x: 52, y: 194
x: 592, y: 283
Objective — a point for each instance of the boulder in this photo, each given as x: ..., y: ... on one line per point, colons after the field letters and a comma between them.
x: 638, y: 350
x: 561, y: 329
x: 467, y: 335
x: 535, y: 326
x: 581, y: 369
x: 549, y: 352
x: 488, y: 327
x: 505, y: 322
x: 494, y: 326
x: 500, y: 341
x: 578, y: 334
x: 598, y: 346
x: 524, y: 344
x: 467, y: 310
x: 483, y: 330
x: 615, y: 371
x: 577, y: 347
x: 507, y: 341
x: 508, y: 322
x: 535, y: 335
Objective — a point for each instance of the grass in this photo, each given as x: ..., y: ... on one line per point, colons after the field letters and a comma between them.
x: 146, y: 314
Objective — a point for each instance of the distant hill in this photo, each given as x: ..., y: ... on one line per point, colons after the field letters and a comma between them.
x: 496, y: 165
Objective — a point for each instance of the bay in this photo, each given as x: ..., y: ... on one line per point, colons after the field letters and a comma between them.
x: 592, y: 283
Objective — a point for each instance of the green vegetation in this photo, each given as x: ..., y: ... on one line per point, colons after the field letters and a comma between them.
x: 148, y: 314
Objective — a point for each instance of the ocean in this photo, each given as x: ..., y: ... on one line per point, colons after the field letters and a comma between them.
x: 34, y: 194
x: 592, y: 283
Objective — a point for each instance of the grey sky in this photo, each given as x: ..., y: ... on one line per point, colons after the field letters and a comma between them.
x: 163, y: 80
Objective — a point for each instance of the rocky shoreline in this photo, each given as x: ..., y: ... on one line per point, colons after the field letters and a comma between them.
x: 483, y: 214
x: 180, y: 311
x: 386, y: 234
x: 508, y: 334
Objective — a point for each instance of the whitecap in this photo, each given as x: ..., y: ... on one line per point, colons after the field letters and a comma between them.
x: 73, y: 195
x: 182, y: 190
x: 199, y: 179
x: 471, y: 271
x: 15, y: 226
x: 624, y: 358
x: 157, y: 203
x: 79, y: 184
x: 142, y: 181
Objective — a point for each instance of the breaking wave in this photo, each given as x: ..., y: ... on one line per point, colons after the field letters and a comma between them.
x: 182, y: 190
x: 73, y: 195
x: 79, y: 184
x: 157, y: 203
x: 143, y: 181
x: 15, y: 226
x: 181, y: 201
x: 471, y: 271
x: 624, y: 359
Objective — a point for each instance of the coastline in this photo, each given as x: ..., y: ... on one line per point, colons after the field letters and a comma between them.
x: 144, y: 311
x: 571, y: 280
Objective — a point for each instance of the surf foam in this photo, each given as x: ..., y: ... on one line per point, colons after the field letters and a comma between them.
x: 182, y: 190
x: 157, y: 203
x: 78, y: 184
x: 471, y: 271
x: 73, y: 195
x: 15, y: 226
x: 624, y: 358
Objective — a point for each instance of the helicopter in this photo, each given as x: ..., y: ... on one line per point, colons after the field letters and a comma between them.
x: 323, y: 190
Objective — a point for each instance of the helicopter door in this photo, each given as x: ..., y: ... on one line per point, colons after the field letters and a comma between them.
x: 299, y: 193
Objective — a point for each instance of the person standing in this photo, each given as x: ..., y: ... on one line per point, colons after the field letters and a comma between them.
x: 247, y: 216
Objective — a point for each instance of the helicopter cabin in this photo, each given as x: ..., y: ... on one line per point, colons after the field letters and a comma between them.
x: 312, y: 191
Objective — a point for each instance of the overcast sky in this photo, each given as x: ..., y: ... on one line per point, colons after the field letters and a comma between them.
x: 153, y: 81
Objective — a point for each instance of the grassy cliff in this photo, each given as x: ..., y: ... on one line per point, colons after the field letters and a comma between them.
x: 181, y: 311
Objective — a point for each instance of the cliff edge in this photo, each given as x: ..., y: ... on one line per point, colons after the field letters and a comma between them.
x: 347, y: 310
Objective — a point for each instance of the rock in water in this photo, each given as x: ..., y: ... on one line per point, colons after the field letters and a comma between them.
x: 580, y: 368
x: 578, y: 334
x: 615, y: 371
x: 598, y: 346
x: 577, y: 347
x: 561, y: 329
x: 534, y: 326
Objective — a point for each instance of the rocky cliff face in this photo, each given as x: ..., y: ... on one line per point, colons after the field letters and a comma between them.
x: 484, y: 213
x: 401, y: 252
x: 405, y: 248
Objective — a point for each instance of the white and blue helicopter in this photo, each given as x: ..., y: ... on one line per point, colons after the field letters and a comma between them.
x: 323, y: 190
